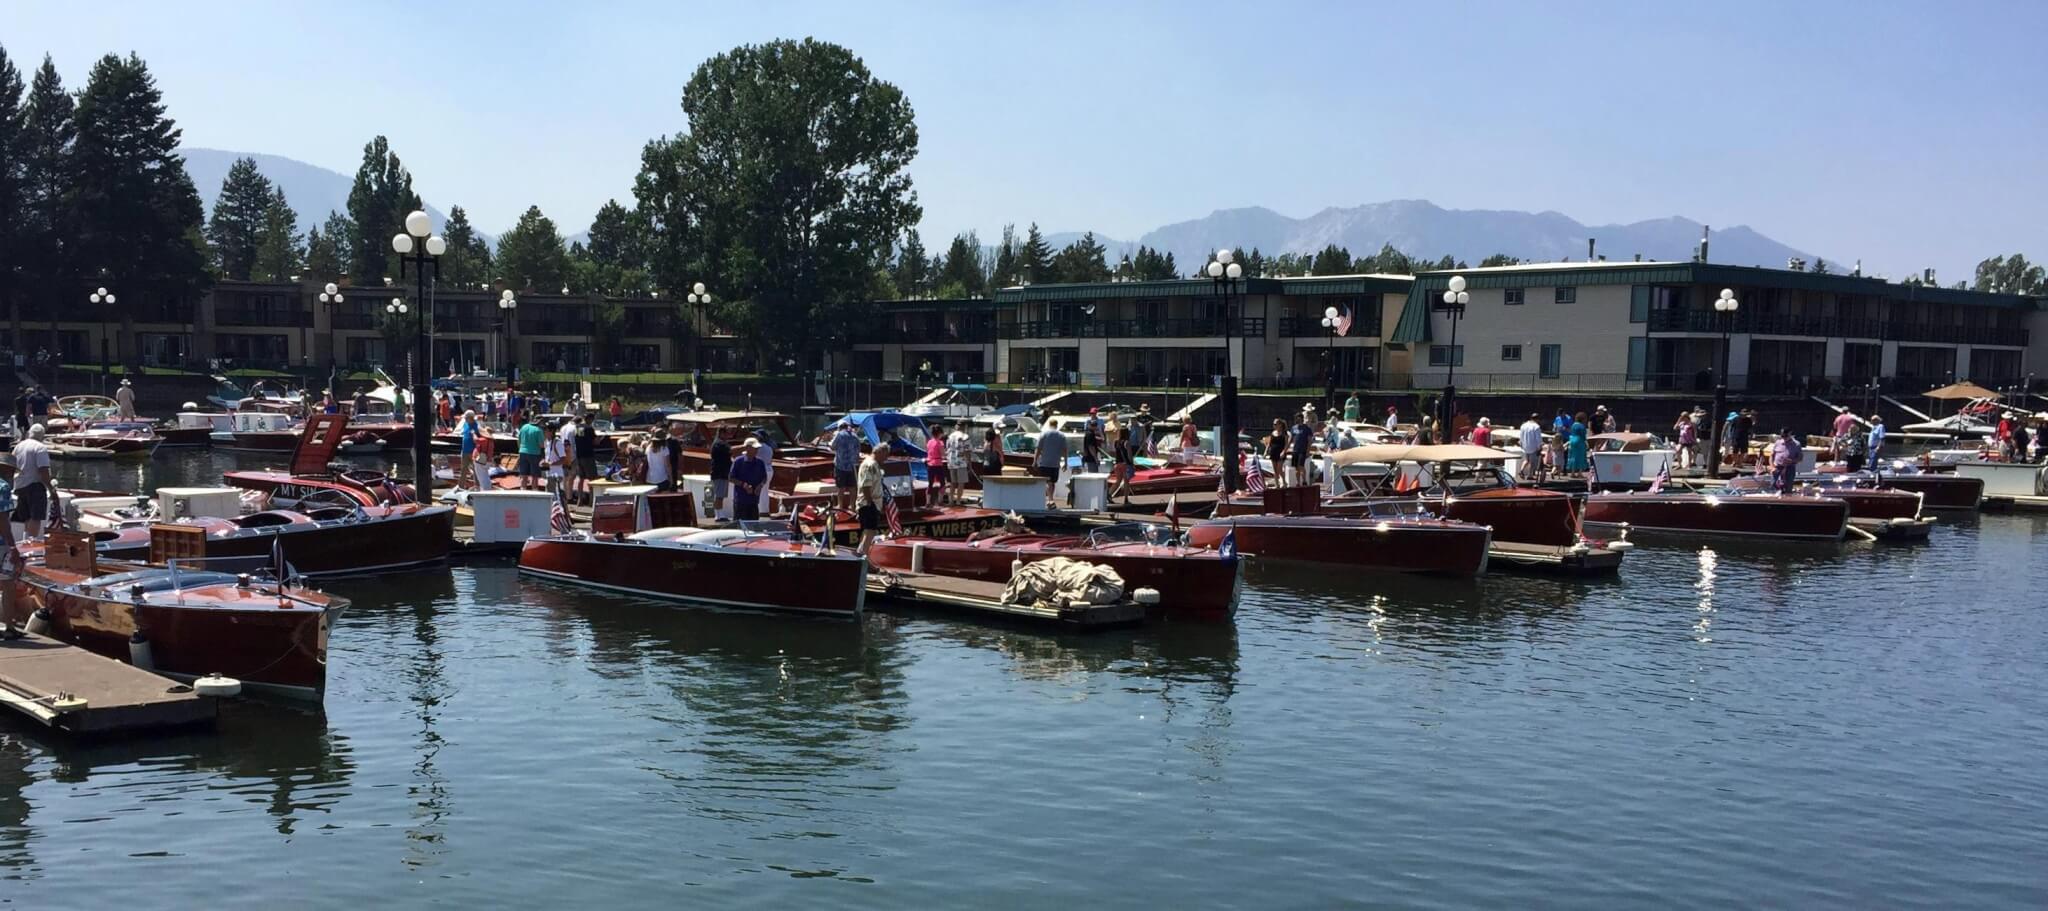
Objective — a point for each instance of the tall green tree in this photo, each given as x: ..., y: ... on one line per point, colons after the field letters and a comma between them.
x: 238, y: 213
x: 959, y: 273
x: 531, y: 255
x: 2008, y: 275
x: 1081, y: 261
x: 1499, y: 259
x: 138, y: 216
x: 615, y: 238
x: 467, y: 264
x: 377, y: 205
x: 1331, y: 260
x: 1004, y: 270
x: 1035, y: 258
x: 328, y: 247
x: 1151, y: 265
x: 911, y: 272
x: 43, y: 246
x: 1820, y: 266
x: 790, y: 180
x: 14, y: 227
x: 279, y: 253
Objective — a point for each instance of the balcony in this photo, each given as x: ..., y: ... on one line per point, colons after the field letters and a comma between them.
x: 1307, y: 326
x: 1707, y: 321
x: 554, y: 327
x: 353, y: 321
x: 1247, y: 327
x: 238, y: 316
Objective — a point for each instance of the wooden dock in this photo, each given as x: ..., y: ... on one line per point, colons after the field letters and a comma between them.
x: 1994, y: 503
x: 1537, y: 558
x: 985, y: 598
x: 71, y: 689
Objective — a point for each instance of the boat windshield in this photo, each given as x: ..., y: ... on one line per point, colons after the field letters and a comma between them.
x: 1131, y: 533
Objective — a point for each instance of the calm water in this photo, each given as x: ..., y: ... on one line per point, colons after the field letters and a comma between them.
x: 1851, y: 727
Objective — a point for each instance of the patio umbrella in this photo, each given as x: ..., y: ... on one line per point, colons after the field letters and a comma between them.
x: 1963, y: 390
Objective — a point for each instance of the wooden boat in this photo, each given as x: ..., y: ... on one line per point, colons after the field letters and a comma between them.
x: 324, y: 540
x: 1192, y: 584
x: 117, y: 437
x: 757, y: 566
x: 259, y: 430
x: 311, y: 473
x: 189, y: 621
x: 794, y: 463
x: 1734, y: 512
x: 1393, y: 544
x: 194, y: 428
x: 1864, y: 502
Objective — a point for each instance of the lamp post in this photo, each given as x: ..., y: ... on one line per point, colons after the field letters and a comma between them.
x: 1455, y: 298
x: 1330, y: 358
x: 330, y: 300
x: 507, y: 303
x: 1725, y: 306
x: 419, y: 247
x: 701, y: 299
x: 103, y: 296
x: 1225, y: 275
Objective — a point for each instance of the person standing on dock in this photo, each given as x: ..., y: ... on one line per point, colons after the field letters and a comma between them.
x: 658, y: 463
x: 32, y: 482
x: 1687, y: 434
x: 1532, y: 448
x: 749, y: 482
x: 21, y: 412
x: 845, y: 463
x: 869, y: 491
x: 1049, y: 459
x: 125, y: 397
x: 935, y: 466
x: 1785, y: 453
x: 1351, y: 407
x: 721, y: 477
x: 767, y: 457
x: 1875, y: 451
x: 959, y: 451
x: 585, y: 450
x: 532, y: 449
x: 1393, y: 419
x: 1300, y: 441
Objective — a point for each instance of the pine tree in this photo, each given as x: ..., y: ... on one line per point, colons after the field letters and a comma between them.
x: 960, y: 272
x: 377, y: 205
x: 327, y: 248
x: 279, y: 255
x: 468, y: 260
x: 138, y: 216
x: 1035, y: 259
x: 1006, y: 272
x: 1500, y: 259
x: 1081, y: 261
x: 531, y: 255
x: 911, y: 272
x: 1332, y: 260
x: 238, y: 218
x: 13, y: 228
x: 1820, y: 266
x: 614, y: 238
x: 43, y: 245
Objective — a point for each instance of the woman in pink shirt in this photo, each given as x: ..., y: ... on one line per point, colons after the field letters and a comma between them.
x: 935, y: 465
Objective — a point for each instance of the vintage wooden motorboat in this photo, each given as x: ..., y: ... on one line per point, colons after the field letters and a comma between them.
x: 757, y: 566
x: 921, y: 521
x: 1396, y: 543
x: 1193, y: 584
x: 117, y: 437
x: 194, y: 428
x: 321, y: 541
x: 1747, y: 514
x: 75, y: 412
x: 794, y: 463
x: 258, y: 431
x: 183, y: 620
x: 311, y: 473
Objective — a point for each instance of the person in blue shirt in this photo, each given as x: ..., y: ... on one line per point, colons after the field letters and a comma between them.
x: 1303, y: 440
x: 1874, y: 452
x: 467, y: 428
x: 749, y: 481
x: 845, y: 463
x: 532, y: 445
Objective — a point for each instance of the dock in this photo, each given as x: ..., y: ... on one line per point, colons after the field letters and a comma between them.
x: 2014, y: 503
x: 986, y: 599
x: 68, y: 688
x: 1593, y: 561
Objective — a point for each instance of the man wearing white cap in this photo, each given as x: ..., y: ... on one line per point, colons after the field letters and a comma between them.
x: 125, y: 396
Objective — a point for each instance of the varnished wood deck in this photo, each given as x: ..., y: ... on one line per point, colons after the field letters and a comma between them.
x: 986, y: 598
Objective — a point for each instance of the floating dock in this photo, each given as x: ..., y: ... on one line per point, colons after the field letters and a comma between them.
x: 986, y: 598
x: 1592, y: 561
x: 71, y: 689
x: 2014, y: 504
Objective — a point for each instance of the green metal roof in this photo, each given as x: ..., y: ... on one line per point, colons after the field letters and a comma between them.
x: 1179, y: 287
x: 1346, y: 284
x: 1413, y: 326
x: 936, y: 303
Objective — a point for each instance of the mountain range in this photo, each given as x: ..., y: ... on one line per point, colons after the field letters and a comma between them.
x: 1414, y: 226
x: 1421, y: 228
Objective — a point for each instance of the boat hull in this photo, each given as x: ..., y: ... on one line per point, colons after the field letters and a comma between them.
x: 186, y: 436
x: 764, y: 579
x: 1765, y: 516
x: 1396, y: 545
x: 405, y: 536
x: 1192, y: 585
x: 286, y: 489
x: 1941, y: 491
x: 261, y: 441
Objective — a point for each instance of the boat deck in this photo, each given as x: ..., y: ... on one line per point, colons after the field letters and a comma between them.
x: 985, y: 598
x: 1508, y: 555
x: 71, y: 689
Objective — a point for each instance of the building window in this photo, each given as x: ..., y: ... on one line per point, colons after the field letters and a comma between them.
x: 1511, y: 352
x: 1511, y: 297
x: 1550, y: 362
x: 1567, y: 295
x: 1446, y: 356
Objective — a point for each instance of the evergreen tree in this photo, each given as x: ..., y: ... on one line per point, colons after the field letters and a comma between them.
x: 1005, y: 272
x: 531, y: 255
x: 14, y: 227
x: 377, y: 205
x: 1035, y: 259
x: 42, y: 246
x: 238, y: 217
x: 1499, y: 259
x: 1820, y: 266
x: 1081, y: 261
x: 911, y: 273
x: 328, y: 246
x: 467, y: 264
x: 278, y: 253
x: 138, y: 217
x: 1390, y: 261
x: 960, y: 272
x: 614, y: 238
x: 2008, y: 275
x: 1333, y: 260
x: 1255, y: 264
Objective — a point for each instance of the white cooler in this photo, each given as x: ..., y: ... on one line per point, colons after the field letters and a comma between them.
x: 1091, y: 491
x: 1013, y: 492
x: 1629, y: 467
x: 511, y: 515
x: 174, y: 503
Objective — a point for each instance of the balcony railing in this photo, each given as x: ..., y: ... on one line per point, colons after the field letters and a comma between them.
x: 1301, y: 326
x: 1248, y: 327
x: 354, y: 321
x: 554, y: 327
x: 1833, y: 327
x: 235, y: 316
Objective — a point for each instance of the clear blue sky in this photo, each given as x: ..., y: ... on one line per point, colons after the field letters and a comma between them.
x: 1907, y: 134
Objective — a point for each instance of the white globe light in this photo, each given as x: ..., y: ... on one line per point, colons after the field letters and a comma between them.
x: 1329, y: 313
x: 698, y: 287
x: 1235, y: 270
x: 332, y: 288
x: 1215, y: 270
x: 1223, y: 256
x: 1727, y: 294
x: 418, y: 224
x: 110, y: 298
x: 1457, y: 283
x: 707, y: 298
x: 1450, y: 297
x: 1464, y: 298
x: 436, y: 246
x: 1329, y: 323
x: 401, y: 243
x: 505, y: 294
x: 101, y: 292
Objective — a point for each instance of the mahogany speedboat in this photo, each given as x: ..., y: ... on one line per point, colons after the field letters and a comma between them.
x: 1394, y: 543
x: 311, y: 474
x: 1880, y: 511
x: 1938, y: 489
x: 1734, y: 512
x: 188, y: 621
x: 117, y: 437
x: 325, y: 540
x: 258, y: 430
x: 793, y: 463
x: 757, y: 566
x: 1192, y: 584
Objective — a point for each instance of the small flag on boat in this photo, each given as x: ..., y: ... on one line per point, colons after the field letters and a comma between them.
x: 890, y: 514
x: 1663, y: 477
x: 1173, y: 511
x: 558, y: 516
x: 278, y: 567
x: 831, y: 527
x: 1255, y: 479
x: 1228, y: 549
x: 643, y: 514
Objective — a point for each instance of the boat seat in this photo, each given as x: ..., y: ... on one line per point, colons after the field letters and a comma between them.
x: 664, y: 533
x: 713, y: 536
x: 158, y: 580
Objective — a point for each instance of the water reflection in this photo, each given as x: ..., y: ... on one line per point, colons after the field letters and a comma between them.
x: 1708, y: 562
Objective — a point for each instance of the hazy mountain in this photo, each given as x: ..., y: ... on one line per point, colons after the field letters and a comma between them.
x: 312, y: 190
x: 1420, y: 228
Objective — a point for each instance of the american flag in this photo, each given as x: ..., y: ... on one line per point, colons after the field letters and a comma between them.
x: 1663, y: 477
x: 558, y: 517
x: 1344, y: 321
x: 890, y: 515
x: 1254, y: 479
x: 1173, y: 511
